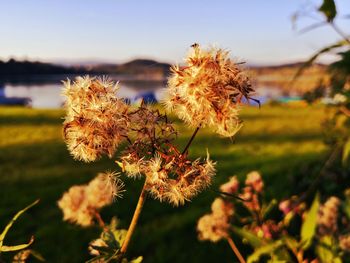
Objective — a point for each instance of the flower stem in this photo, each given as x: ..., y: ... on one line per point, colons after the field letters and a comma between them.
x: 192, y: 138
x: 99, y: 219
x: 235, y: 250
x: 134, y: 219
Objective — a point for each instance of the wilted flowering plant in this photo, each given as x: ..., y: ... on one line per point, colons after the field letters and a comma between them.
x: 81, y: 203
x: 292, y: 234
x: 208, y: 91
x: 96, y: 120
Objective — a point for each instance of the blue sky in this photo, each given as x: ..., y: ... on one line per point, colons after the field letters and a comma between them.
x: 257, y: 31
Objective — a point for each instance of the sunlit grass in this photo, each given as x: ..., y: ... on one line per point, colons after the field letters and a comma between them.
x: 285, y: 144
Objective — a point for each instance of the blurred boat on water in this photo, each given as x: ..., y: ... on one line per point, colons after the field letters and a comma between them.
x: 13, y: 101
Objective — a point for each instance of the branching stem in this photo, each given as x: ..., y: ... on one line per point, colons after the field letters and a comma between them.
x: 191, y: 139
x: 141, y: 201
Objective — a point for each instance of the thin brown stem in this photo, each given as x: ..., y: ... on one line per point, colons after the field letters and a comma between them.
x: 235, y: 250
x: 134, y: 219
x: 99, y: 219
x: 191, y: 140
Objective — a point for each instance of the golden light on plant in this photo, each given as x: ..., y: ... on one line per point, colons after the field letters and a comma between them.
x: 206, y: 92
x: 96, y: 120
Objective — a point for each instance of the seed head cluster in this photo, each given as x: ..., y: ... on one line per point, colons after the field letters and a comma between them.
x: 172, y: 177
x: 254, y: 186
x: 81, y: 202
x: 215, y: 226
x: 208, y: 90
x: 177, y: 180
x: 96, y: 120
x: 150, y: 132
x: 231, y: 187
x: 328, y: 216
x: 344, y: 242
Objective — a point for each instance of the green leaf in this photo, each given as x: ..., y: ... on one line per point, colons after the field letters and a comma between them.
x: 309, y: 225
x: 119, y: 236
x: 108, y: 237
x: 329, y: 9
x: 17, y: 247
x: 346, y: 151
x: 137, y: 260
x: 291, y: 243
x: 113, y: 225
x: 263, y: 250
x: 324, y: 251
x: 7, y: 228
x: 249, y: 236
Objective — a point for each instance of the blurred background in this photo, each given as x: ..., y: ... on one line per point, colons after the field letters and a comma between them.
x: 135, y: 43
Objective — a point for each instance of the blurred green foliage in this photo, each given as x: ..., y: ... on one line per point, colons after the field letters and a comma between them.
x: 284, y: 143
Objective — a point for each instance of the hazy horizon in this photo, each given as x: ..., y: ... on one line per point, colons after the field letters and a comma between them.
x: 92, y: 62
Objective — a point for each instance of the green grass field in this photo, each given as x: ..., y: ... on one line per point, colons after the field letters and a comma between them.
x: 284, y: 144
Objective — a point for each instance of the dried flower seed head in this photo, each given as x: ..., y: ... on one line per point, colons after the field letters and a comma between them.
x: 96, y: 121
x: 231, y: 186
x: 102, y: 190
x: 151, y: 131
x: 176, y: 180
x: 212, y: 228
x: 131, y: 165
x: 74, y: 206
x: 208, y: 91
x: 216, y: 225
x: 251, y: 199
x: 82, y: 202
x: 328, y: 216
x: 221, y: 208
x: 344, y: 242
x: 285, y: 206
x: 292, y: 205
x: 254, y: 180
x: 170, y: 176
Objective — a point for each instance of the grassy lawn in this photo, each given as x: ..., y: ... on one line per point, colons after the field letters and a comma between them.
x: 284, y: 144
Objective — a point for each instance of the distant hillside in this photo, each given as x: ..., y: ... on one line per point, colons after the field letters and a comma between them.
x: 13, y: 67
x: 282, y: 77
x: 144, y: 69
x: 139, y: 68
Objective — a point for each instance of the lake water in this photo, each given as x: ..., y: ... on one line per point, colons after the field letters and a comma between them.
x: 46, y: 92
